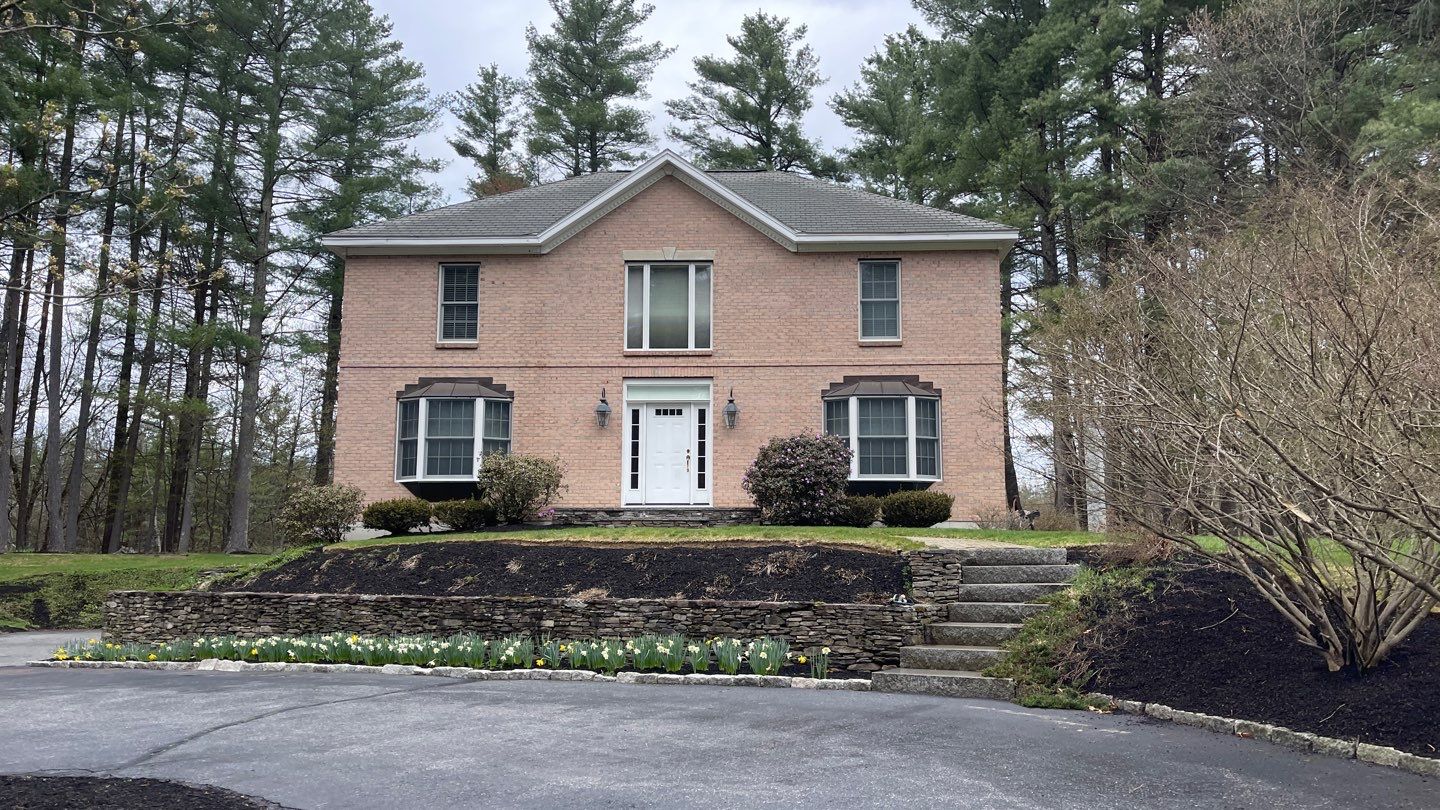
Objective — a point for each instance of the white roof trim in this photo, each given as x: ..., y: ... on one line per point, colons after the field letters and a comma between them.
x: 668, y: 162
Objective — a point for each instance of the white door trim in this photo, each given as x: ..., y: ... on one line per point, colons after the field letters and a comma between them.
x: 687, y: 394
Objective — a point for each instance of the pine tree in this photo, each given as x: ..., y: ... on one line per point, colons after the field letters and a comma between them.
x: 745, y: 112
x: 590, y: 61
x: 371, y: 107
x: 888, y: 109
x: 489, y: 111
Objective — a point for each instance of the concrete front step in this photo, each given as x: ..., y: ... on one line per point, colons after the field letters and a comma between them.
x: 1005, y: 574
x: 1009, y: 555
x: 950, y: 656
x: 945, y: 683
x: 1007, y: 592
x: 994, y: 612
x: 978, y: 634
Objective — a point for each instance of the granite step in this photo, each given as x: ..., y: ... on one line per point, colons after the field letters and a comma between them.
x: 980, y: 634
x: 950, y: 656
x: 1005, y: 555
x: 945, y: 683
x: 1008, y: 592
x: 994, y: 612
x: 1006, y: 574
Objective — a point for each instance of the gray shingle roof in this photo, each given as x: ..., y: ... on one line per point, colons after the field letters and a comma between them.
x: 808, y: 205
x: 803, y: 204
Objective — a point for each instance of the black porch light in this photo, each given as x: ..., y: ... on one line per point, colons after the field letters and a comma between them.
x: 732, y: 411
x: 602, y: 410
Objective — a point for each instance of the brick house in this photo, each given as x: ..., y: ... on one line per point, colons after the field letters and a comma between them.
x: 614, y: 319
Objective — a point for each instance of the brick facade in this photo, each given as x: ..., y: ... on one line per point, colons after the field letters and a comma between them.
x: 785, y: 328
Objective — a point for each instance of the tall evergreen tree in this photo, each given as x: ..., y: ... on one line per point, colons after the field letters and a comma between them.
x: 745, y: 112
x: 590, y: 61
x: 371, y: 107
x: 489, y: 111
x: 888, y: 110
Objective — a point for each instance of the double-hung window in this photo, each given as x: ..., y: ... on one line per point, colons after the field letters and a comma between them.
x: 880, y: 300
x: 459, y: 303
x: 891, y: 438
x: 667, y: 306
x: 436, y: 437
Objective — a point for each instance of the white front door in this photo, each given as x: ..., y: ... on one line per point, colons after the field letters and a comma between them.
x: 668, y: 454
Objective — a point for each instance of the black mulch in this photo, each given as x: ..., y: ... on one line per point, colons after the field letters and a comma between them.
x: 1209, y: 643
x: 772, y: 572
x: 104, y: 793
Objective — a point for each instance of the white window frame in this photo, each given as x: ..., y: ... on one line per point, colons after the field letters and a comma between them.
x: 440, y: 303
x: 645, y: 308
x: 860, y: 300
x: 911, y: 434
x: 482, y: 405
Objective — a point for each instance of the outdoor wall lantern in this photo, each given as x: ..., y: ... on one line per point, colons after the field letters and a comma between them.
x: 732, y: 411
x: 602, y: 410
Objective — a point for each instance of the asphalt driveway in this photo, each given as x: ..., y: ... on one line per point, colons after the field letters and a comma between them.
x: 342, y: 740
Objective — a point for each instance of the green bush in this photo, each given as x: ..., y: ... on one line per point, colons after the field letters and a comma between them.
x: 319, y: 514
x: 858, y: 510
x: 397, y: 516
x: 916, y: 508
x: 519, y: 486
x: 469, y: 515
x: 800, y: 480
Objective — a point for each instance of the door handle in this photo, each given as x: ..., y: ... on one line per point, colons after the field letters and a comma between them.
x: 687, y: 461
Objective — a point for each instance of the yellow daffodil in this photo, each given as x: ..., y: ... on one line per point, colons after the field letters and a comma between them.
x: 254, y: 651
x: 152, y: 657
x: 539, y: 662
x: 801, y: 659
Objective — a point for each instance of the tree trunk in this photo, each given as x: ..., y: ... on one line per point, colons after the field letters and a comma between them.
x: 56, y: 536
x: 330, y: 387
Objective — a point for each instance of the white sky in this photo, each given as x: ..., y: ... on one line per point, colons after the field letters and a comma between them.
x: 452, y: 38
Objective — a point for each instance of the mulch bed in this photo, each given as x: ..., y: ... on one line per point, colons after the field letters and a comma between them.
x: 768, y: 572
x: 104, y: 793
x: 1209, y: 643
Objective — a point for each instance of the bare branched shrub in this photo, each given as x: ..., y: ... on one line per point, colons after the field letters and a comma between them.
x: 1278, y: 386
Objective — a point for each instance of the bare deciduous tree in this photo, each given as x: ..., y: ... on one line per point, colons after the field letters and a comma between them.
x: 1277, y: 386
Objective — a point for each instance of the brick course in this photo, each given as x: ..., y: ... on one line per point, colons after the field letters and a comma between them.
x: 785, y: 327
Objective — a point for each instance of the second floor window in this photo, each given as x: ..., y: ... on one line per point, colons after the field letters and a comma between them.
x: 880, y: 300
x: 667, y: 306
x: 459, y: 302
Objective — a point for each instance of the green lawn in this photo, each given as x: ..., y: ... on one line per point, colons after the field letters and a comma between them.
x: 890, y: 538
x: 23, y: 564
x: 40, y: 591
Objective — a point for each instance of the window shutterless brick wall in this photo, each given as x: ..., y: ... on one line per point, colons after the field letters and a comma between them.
x: 786, y: 325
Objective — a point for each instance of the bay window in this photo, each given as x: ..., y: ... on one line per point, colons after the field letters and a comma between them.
x: 892, y: 427
x: 446, y: 437
x: 667, y: 306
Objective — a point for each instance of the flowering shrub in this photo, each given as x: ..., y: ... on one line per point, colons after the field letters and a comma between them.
x: 800, y: 479
x: 519, y: 486
x: 398, y: 516
x: 319, y: 514
x: 916, y: 508
x: 671, y: 653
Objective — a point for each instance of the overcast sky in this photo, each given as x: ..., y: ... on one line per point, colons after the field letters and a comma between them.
x: 451, y: 38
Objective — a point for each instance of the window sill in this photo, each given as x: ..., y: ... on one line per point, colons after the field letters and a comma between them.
x: 457, y: 344
x: 883, y: 479
x: 669, y: 352
x: 864, y: 342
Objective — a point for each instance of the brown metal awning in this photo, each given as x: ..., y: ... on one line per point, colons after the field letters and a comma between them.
x: 881, y: 386
x: 459, y: 387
